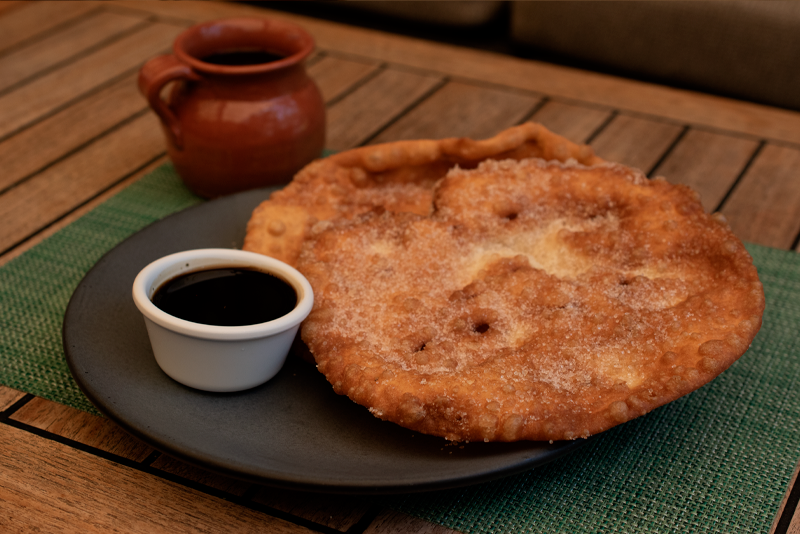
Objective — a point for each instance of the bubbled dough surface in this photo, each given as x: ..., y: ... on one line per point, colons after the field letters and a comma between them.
x: 398, y: 176
x: 540, y: 301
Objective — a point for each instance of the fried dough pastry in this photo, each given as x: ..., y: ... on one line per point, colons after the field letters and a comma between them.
x: 539, y: 301
x: 396, y: 176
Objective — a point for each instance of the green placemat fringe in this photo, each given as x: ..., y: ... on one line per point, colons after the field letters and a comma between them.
x: 717, y: 460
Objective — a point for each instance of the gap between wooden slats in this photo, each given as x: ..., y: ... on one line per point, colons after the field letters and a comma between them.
x: 176, y: 467
x: 575, y: 122
x: 687, y: 107
x: 364, y: 112
x: 335, y: 76
x: 339, y: 512
x: 708, y: 162
x: 91, y: 430
x: 391, y: 522
x: 764, y: 206
x: 635, y: 141
x: 9, y: 396
x: 80, y: 211
x: 460, y: 110
x: 37, y: 19
x: 50, y: 486
x: 47, y: 94
x: 55, y: 137
x: 783, y: 515
x: 48, y: 196
x: 64, y: 45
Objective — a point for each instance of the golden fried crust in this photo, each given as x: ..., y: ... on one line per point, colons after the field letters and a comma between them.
x: 539, y: 301
x: 396, y: 176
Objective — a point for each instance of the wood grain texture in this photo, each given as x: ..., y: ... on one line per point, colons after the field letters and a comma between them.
x: 53, y: 193
x: 9, y: 396
x: 82, y: 427
x: 79, y: 212
x: 606, y: 90
x: 335, y: 76
x: 62, y: 45
x: 37, y: 19
x: 339, y: 512
x: 794, y: 526
x: 635, y: 141
x: 362, y: 113
x: 685, y: 107
x: 764, y: 207
x: 708, y: 162
x: 46, y: 94
x: 90, y: 142
x: 391, y: 522
x: 49, y: 487
x: 575, y: 122
x: 8, y: 5
x: 795, y: 519
x: 461, y: 110
x: 207, y: 478
x: 53, y: 138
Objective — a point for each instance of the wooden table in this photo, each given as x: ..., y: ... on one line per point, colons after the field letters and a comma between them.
x: 74, y: 131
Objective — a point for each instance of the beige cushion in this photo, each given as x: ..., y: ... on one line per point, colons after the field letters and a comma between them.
x: 448, y: 13
x: 745, y: 49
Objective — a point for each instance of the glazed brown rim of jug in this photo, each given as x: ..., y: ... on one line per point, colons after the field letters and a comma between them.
x: 238, y: 34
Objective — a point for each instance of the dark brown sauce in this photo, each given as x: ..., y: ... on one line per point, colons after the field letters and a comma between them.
x: 238, y: 58
x: 226, y: 297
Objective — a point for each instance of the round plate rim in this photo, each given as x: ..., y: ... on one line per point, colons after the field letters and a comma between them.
x: 299, y: 482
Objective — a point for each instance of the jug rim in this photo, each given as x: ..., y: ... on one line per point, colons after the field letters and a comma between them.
x: 276, y: 36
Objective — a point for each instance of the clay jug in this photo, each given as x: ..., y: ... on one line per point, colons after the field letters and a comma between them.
x: 242, y: 113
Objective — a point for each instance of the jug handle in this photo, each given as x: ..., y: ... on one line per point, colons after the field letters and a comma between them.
x: 153, y: 76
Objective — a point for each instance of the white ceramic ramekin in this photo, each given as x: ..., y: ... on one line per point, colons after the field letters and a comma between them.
x: 219, y: 358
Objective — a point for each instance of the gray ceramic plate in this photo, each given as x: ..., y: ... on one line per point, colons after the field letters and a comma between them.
x: 292, y: 432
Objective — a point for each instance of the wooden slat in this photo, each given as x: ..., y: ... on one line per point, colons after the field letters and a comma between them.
x: 49, y: 487
x: 9, y: 396
x: 685, y: 107
x: 708, y: 162
x: 207, y: 478
x: 635, y: 141
x: 47, y: 93
x: 461, y: 110
x: 605, y: 90
x: 334, y: 76
x: 26, y: 209
x: 82, y: 427
x: 334, y: 511
x: 764, y: 207
x: 362, y: 113
x: 47, y: 141
x: 8, y: 5
x: 573, y: 121
x: 391, y: 522
x: 70, y: 42
x: 36, y: 19
x: 80, y: 212
x: 794, y: 526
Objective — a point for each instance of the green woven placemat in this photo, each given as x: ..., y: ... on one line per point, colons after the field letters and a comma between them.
x: 36, y: 286
x: 717, y: 460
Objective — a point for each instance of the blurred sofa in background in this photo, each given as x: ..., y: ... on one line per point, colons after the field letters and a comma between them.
x: 747, y: 49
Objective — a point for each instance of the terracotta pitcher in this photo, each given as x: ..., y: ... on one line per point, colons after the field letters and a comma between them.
x: 243, y: 112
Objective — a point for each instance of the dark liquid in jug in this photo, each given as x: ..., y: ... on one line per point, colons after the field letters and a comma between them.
x: 239, y: 58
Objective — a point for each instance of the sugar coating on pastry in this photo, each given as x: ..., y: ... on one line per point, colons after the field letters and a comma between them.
x: 398, y: 176
x: 537, y: 301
